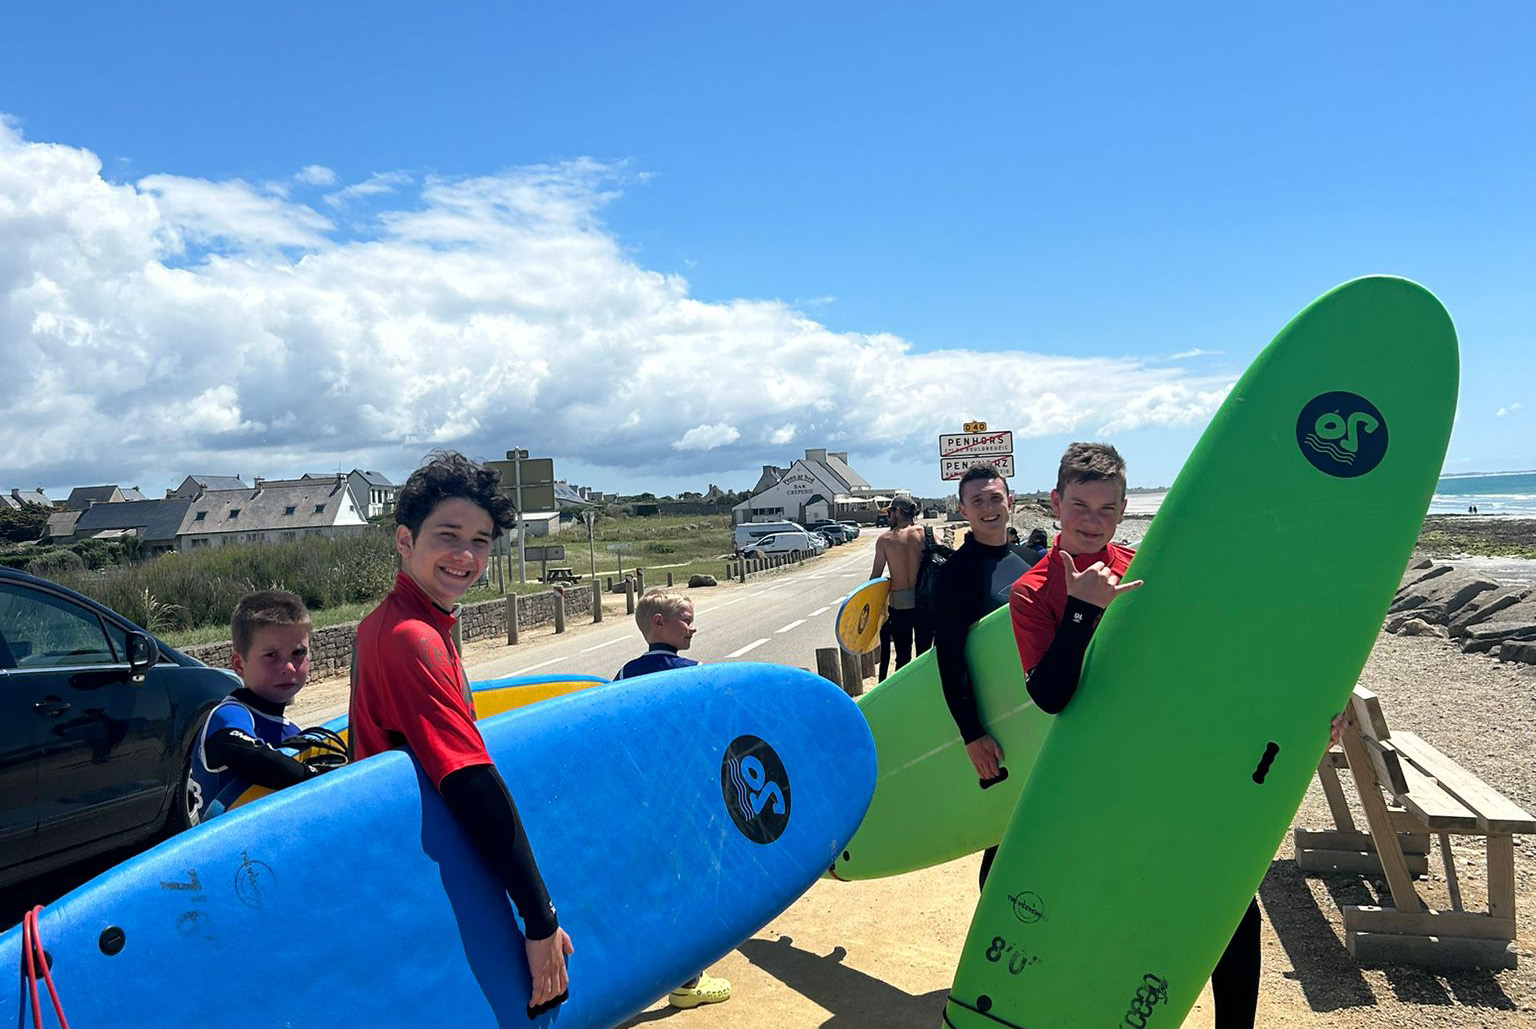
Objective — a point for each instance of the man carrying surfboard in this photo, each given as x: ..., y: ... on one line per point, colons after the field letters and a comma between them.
x: 899, y: 551
x: 973, y: 583
x: 1056, y: 607
x: 409, y: 690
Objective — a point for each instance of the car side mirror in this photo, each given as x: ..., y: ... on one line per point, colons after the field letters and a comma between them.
x: 142, y: 652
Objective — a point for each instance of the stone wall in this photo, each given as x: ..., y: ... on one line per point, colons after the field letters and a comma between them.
x: 331, y: 647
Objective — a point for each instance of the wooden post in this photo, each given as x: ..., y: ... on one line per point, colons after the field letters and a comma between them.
x: 669, y: 580
x: 853, y: 675
x: 597, y: 602
x: 458, y: 633
x: 511, y: 619
x: 828, y: 666
x: 629, y: 596
x: 867, y: 663
x: 741, y: 567
x: 609, y: 585
x: 559, y: 609
x: 639, y: 578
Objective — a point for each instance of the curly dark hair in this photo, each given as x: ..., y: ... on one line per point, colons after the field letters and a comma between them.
x: 447, y: 474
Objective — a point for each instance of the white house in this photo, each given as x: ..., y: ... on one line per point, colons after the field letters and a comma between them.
x: 820, y: 485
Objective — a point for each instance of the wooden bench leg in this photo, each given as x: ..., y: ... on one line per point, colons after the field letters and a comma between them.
x: 1404, y: 897
x: 1451, y: 882
x: 1328, y: 776
x: 1501, y: 875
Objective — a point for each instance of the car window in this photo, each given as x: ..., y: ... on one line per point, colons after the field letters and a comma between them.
x: 43, y: 631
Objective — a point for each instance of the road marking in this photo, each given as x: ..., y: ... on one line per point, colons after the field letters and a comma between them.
x: 541, y: 664
x: 750, y: 646
x: 791, y: 625
x: 600, y: 646
x: 819, y: 610
x: 849, y: 575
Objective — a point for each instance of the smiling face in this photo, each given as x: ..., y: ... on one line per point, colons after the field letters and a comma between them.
x: 985, y: 503
x: 450, y: 551
x: 1089, y: 513
x: 276, y: 664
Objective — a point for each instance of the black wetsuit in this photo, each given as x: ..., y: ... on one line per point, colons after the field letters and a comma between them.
x: 975, y: 582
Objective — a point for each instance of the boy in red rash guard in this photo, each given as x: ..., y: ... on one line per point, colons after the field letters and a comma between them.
x: 1057, y: 604
x: 409, y: 690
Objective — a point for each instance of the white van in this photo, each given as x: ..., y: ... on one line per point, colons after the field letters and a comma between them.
x: 747, y: 532
x: 788, y: 543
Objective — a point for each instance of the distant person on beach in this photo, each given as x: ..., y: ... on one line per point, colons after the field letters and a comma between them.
x: 409, y: 691
x: 666, y: 622
x: 238, y: 746
x: 898, y: 553
x: 972, y: 584
x: 1055, y: 609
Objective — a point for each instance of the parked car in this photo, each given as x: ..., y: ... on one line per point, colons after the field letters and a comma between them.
x: 834, y: 531
x: 748, y: 533
x: 97, y: 719
x: 803, y: 543
x: 853, y: 529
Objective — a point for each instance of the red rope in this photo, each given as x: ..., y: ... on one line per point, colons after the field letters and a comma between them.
x: 35, y: 958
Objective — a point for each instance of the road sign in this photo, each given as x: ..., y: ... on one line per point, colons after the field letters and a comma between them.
x: 537, y: 471
x: 538, y: 479
x: 548, y: 552
x: 954, y: 467
x: 976, y: 444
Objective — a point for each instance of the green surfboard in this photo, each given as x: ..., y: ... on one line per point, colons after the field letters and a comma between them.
x: 929, y: 807
x: 1163, y: 791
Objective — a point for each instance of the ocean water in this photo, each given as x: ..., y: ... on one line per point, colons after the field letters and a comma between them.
x: 1508, y: 494
x: 1499, y: 494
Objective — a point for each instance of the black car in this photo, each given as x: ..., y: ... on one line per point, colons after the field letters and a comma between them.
x: 97, y: 718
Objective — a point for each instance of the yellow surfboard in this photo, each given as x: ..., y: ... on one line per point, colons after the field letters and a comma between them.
x: 862, y: 616
x: 492, y: 697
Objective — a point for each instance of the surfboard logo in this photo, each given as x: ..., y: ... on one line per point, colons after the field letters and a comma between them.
x: 1341, y: 434
x: 1027, y: 906
x: 755, y: 787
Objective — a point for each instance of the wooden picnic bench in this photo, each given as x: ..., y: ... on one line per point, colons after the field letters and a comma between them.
x: 1409, y: 791
x: 561, y: 573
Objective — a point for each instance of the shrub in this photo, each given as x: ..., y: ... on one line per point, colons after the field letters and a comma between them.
x: 56, y: 564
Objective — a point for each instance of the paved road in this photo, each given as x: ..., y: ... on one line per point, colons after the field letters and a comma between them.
x: 781, y: 618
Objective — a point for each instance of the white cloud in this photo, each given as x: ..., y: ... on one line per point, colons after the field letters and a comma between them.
x: 1507, y: 410
x: 232, y: 213
x: 315, y: 175
x: 707, y: 437
x: 478, y: 313
x: 377, y: 184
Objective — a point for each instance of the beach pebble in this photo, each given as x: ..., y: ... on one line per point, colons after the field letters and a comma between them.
x: 1419, y: 627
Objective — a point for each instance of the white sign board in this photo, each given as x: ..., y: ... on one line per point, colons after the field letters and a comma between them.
x: 976, y: 444
x: 954, y: 467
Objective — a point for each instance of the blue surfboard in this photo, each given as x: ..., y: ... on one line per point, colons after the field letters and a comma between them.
x: 672, y: 817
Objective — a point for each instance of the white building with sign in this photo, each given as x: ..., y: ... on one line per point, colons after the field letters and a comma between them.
x: 820, y: 485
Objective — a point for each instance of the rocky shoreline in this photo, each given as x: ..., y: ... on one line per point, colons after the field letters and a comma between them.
x: 1453, y: 592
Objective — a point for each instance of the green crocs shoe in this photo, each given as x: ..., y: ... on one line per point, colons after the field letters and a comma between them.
x: 708, y: 990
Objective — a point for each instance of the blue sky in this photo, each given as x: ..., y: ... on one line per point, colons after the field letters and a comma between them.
x: 766, y: 204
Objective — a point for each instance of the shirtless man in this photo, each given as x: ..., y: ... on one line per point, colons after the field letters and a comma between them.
x: 900, y: 550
